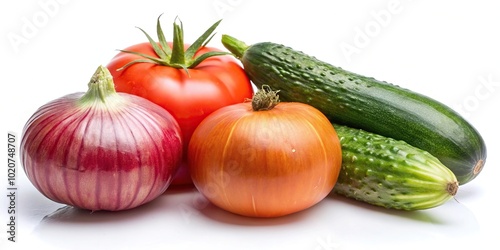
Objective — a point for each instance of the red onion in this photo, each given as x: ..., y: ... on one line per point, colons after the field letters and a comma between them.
x: 101, y: 150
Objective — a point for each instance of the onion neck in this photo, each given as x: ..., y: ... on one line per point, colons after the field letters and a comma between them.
x: 101, y: 88
x: 265, y: 99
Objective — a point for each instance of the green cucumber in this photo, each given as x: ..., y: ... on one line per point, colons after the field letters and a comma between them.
x: 366, y: 103
x: 391, y: 173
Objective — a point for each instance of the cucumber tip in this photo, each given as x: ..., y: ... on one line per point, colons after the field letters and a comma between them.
x: 478, y: 167
x: 452, y: 188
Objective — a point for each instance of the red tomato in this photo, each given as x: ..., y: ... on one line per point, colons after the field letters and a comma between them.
x: 188, y: 94
x: 265, y: 163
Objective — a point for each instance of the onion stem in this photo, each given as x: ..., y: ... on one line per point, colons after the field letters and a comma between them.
x: 101, y: 88
x: 265, y: 99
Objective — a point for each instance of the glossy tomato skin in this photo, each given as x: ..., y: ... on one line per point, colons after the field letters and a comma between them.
x: 265, y: 163
x: 214, y: 83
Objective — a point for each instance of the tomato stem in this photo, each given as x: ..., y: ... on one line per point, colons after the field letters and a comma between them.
x: 176, y: 56
x: 265, y: 99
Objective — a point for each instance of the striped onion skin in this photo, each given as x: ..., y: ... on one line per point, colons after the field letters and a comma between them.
x: 101, y: 151
x: 266, y: 162
x: 390, y: 173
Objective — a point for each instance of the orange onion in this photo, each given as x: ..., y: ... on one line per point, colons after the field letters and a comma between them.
x: 265, y: 158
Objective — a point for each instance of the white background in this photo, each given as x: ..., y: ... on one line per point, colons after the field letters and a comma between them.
x: 448, y: 50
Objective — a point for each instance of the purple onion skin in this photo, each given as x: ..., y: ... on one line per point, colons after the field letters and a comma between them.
x: 110, y: 156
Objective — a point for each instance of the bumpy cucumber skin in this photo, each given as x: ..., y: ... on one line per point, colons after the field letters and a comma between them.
x: 366, y: 103
x: 390, y: 173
